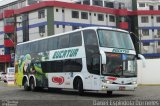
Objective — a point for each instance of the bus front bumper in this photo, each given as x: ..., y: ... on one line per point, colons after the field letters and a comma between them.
x: 118, y: 87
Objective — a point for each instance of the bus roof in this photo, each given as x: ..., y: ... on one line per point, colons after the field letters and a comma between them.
x: 81, y: 29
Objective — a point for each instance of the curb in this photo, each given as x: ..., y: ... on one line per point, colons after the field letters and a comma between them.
x: 148, y: 84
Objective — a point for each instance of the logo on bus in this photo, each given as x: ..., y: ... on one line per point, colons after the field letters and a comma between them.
x: 58, y: 80
x: 65, y: 53
x: 120, y: 51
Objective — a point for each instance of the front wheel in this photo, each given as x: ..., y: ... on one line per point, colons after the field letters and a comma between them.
x: 80, y: 87
x: 109, y: 93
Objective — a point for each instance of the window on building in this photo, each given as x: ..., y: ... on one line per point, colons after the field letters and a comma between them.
x: 62, y: 10
x: 146, y: 44
x: 84, y: 15
x: 158, y: 32
x: 57, y: 26
x: 112, y: 18
x: 42, y: 29
x: 158, y: 43
x: 97, y: 2
x: 121, y: 5
x: 75, y: 27
x: 108, y: 4
x: 158, y: 7
x: 144, y: 19
x: 151, y: 7
x: 75, y: 14
x: 22, y: 3
x: 100, y: 17
x: 158, y: 19
x: 145, y: 32
x: 32, y: 2
x: 41, y: 14
x: 56, y: 10
x: 141, y: 4
x: 87, y: 2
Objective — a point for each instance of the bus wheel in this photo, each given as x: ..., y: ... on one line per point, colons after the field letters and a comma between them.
x: 109, y: 93
x: 26, y: 87
x: 80, y: 87
x: 32, y: 85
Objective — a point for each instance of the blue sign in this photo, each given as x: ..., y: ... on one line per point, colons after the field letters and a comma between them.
x: 124, y: 57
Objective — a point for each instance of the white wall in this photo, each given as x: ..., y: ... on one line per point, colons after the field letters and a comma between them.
x: 151, y: 73
x: 33, y: 19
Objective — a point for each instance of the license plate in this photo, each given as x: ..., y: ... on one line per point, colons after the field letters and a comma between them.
x: 121, y: 88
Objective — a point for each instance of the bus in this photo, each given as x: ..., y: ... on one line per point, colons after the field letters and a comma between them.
x: 92, y: 58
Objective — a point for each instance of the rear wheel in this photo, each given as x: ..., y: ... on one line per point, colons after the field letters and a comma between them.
x: 32, y: 85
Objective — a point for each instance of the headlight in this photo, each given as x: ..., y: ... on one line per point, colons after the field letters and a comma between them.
x: 134, y: 82
x: 107, y: 81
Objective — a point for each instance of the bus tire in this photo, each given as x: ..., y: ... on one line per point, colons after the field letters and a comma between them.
x: 26, y: 87
x: 32, y: 85
x: 80, y: 87
x: 109, y: 93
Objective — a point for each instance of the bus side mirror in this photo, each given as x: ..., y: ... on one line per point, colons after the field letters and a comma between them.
x: 143, y: 60
x: 103, y: 57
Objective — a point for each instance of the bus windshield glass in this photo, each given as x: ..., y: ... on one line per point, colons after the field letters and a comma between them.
x: 115, y: 39
x: 120, y: 65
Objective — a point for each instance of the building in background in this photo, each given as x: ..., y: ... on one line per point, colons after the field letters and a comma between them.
x: 24, y: 20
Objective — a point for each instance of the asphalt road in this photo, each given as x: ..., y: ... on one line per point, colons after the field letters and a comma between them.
x: 15, y: 96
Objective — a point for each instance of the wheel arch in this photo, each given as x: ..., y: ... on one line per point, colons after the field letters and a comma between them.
x: 25, y: 77
x: 75, y: 79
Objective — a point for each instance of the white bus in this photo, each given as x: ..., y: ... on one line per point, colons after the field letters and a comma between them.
x: 93, y: 58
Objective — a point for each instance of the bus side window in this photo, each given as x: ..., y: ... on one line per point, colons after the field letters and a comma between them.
x: 43, y: 45
x: 52, y: 43
x: 34, y: 47
x: 90, y: 37
x: 75, y: 39
x: 91, y: 48
x: 63, y: 41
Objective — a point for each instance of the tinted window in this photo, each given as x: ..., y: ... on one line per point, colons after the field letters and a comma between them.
x: 18, y: 50
x: 90, y: 37
x: 52, y: 66
x: 75, y: 39
x: 91, y: 48
x: 73, y: 65
x: 52, y: 43
x: 42, y: 45
x: 34, y: 47
x: 63, y: 41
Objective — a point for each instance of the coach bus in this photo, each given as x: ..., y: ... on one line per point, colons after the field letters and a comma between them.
x: 93, y: 58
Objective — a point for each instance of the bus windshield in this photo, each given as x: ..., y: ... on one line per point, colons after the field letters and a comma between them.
x: 115, y: 39
x: 120, y: 65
